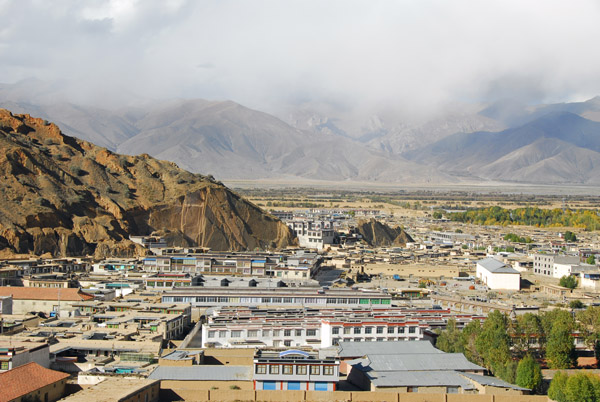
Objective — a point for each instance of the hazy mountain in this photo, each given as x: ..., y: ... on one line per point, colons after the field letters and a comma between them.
x: 497, y: 141
x: 558, y: 147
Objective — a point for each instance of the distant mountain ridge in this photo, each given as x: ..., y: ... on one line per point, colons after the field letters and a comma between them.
x: 506, y: 141
x: 559, y: 147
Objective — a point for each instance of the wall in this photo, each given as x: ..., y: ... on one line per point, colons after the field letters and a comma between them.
x: 220, y: 385
x: 55, y: 391
x: 422, y: 271
x: 25, y: 306
x: 151, y: 392
x: 337, y: 396
x: 234, y: 357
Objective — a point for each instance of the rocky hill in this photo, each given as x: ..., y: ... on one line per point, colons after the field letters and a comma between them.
x: 65, y: 196
x: 378, y: 234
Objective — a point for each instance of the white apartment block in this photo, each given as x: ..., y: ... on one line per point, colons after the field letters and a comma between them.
x: 313, y: 234
x: 543, y: 264
x: 322, y: 329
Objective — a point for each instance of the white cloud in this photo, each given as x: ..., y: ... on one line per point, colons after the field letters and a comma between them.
x: 265, y: 53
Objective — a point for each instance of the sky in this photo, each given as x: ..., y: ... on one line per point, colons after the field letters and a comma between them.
x: 265, y: 54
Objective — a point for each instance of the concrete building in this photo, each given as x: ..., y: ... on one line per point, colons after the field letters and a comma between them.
x: 543, y: 264
x: 43, y: 299
x: 313, y: 234
x: 322, y: 328
x: 169, y: 280
x: 498, y: 275
x: 294, y: 370
x: 279, y: 296
x: 6, y: 305
x: 300, y: 265
x: 410, y: 367
x: 118, y: 389
x: 17, y: 353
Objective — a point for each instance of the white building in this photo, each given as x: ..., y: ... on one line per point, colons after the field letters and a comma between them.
x: 313, y: 234
x: 498, y: 275
x: 543, y: 264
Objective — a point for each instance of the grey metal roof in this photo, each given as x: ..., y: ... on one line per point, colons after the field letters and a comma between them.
x: 417, y: 362
x: 202, y: 373
x: 356, y: 349
x: 492, y: 381
x: 180, y: 355
x: 497, y: 267
x: 420, y: 379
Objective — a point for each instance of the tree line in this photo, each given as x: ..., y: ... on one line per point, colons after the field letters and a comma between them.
x: 587, y: 219
x: 512, y: 348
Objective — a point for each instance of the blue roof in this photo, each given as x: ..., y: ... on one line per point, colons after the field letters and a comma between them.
x: 294, y: 352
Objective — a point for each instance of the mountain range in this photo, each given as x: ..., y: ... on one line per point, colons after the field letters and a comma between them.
x: 505, y: 141
x: 64, y: 196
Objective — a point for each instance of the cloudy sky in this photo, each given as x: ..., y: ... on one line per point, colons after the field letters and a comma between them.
x: 267, y: 53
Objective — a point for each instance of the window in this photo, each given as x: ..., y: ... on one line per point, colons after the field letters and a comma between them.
x: 320, y: 386
x: 252, y: 333
x: 301, y: 370
x: 274, y: 369
x: 287, y: 332
x: 412, y: 330
x: 391, y: 330
x: 211, y: 334
x: 368, y: 330
x: 236, y: 334
x: 276, y: 332
x: 380, y: 330
x: 298, y: 332
x: 347, y: 330
x: 357, y: 330
x: 287, y: 343
x: 261, y: 369
x: 288, y: 369
x: 266, y: 332
x: 222, y: 334
x: 328, y: 370
x: 335, y: 330
x: 311, y: 332
x: 315, y: 370
x: 400, y: 330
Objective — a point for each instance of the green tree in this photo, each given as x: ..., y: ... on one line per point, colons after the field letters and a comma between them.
x: 529, y: 373
x: 589, y: 325
x: 576, y: 304
x: 579, y: 388
x: 451, y: 340
x: 560, y: 350
x: 556, y: 392
x: 591, y: 260
x: 570, y: 236
x: 568, y: 281
x: 528, y: 327
x: 469, y: 334
x: 493, y: 344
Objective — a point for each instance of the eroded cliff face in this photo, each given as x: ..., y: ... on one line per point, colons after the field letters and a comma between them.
x: 378, y: 234
x: 64, y: 196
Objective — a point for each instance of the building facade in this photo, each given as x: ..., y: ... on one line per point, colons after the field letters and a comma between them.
x: 294, y: 370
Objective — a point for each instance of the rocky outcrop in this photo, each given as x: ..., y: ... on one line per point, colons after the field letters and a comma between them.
x: 65, y: 196
x: 378, y: 234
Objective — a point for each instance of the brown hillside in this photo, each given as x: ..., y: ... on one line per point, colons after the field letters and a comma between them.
x: 377, y: 234
x: 65, y: 196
